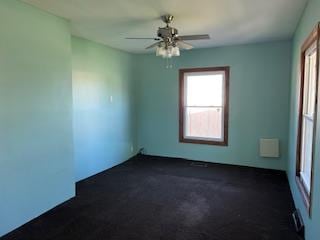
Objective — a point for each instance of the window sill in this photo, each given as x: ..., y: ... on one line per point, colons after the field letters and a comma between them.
x: 206, y: 142
x: 305, y: 195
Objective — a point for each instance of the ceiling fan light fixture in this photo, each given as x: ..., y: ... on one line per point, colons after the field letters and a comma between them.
x: 175, y: 52
x: 167, y: 52
x: 160, y: 51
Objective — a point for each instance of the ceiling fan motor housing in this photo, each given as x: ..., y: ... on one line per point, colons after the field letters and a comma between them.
x: 167, y: 33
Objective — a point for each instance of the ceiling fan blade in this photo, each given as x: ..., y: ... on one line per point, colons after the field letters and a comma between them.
x: 138, y: 38
x: 153, y: 45
x: 194, y: 37
x: 184, y: 45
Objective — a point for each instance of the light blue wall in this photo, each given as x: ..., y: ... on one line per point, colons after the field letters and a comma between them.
x: 36, y: 162
x: 36, y: 139
x: 103, y: 130
x: 309, y: 20
x: 259, y: 103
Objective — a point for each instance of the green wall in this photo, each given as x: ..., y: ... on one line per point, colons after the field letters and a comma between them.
x: 103, y: 129
x: 309, y: 20
x: 259, y: 103
x: 36, y: 159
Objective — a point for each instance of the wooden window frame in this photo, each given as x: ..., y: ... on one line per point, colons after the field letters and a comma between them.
x: 311, y: 39
x: 182, y: 139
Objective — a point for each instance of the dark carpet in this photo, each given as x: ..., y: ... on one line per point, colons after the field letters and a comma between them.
x: 151, y: 198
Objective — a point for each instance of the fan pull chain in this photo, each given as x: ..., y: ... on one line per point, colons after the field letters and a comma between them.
x: 169, y: 63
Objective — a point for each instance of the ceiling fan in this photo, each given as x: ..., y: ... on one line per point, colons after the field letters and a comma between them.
x: 168, y: 40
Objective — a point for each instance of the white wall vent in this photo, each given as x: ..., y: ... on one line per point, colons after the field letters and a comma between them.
x: 269, y: 148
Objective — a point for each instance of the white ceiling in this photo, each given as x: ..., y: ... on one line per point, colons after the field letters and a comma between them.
x: 227, y: 21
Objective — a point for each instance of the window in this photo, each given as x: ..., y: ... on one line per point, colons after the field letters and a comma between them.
x: 307, y: 115
x: 204, y: 105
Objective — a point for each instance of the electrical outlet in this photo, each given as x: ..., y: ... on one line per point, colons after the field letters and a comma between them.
x: 111, y: 99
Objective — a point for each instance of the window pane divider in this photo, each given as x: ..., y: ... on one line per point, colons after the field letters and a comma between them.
x: 308, y: 116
